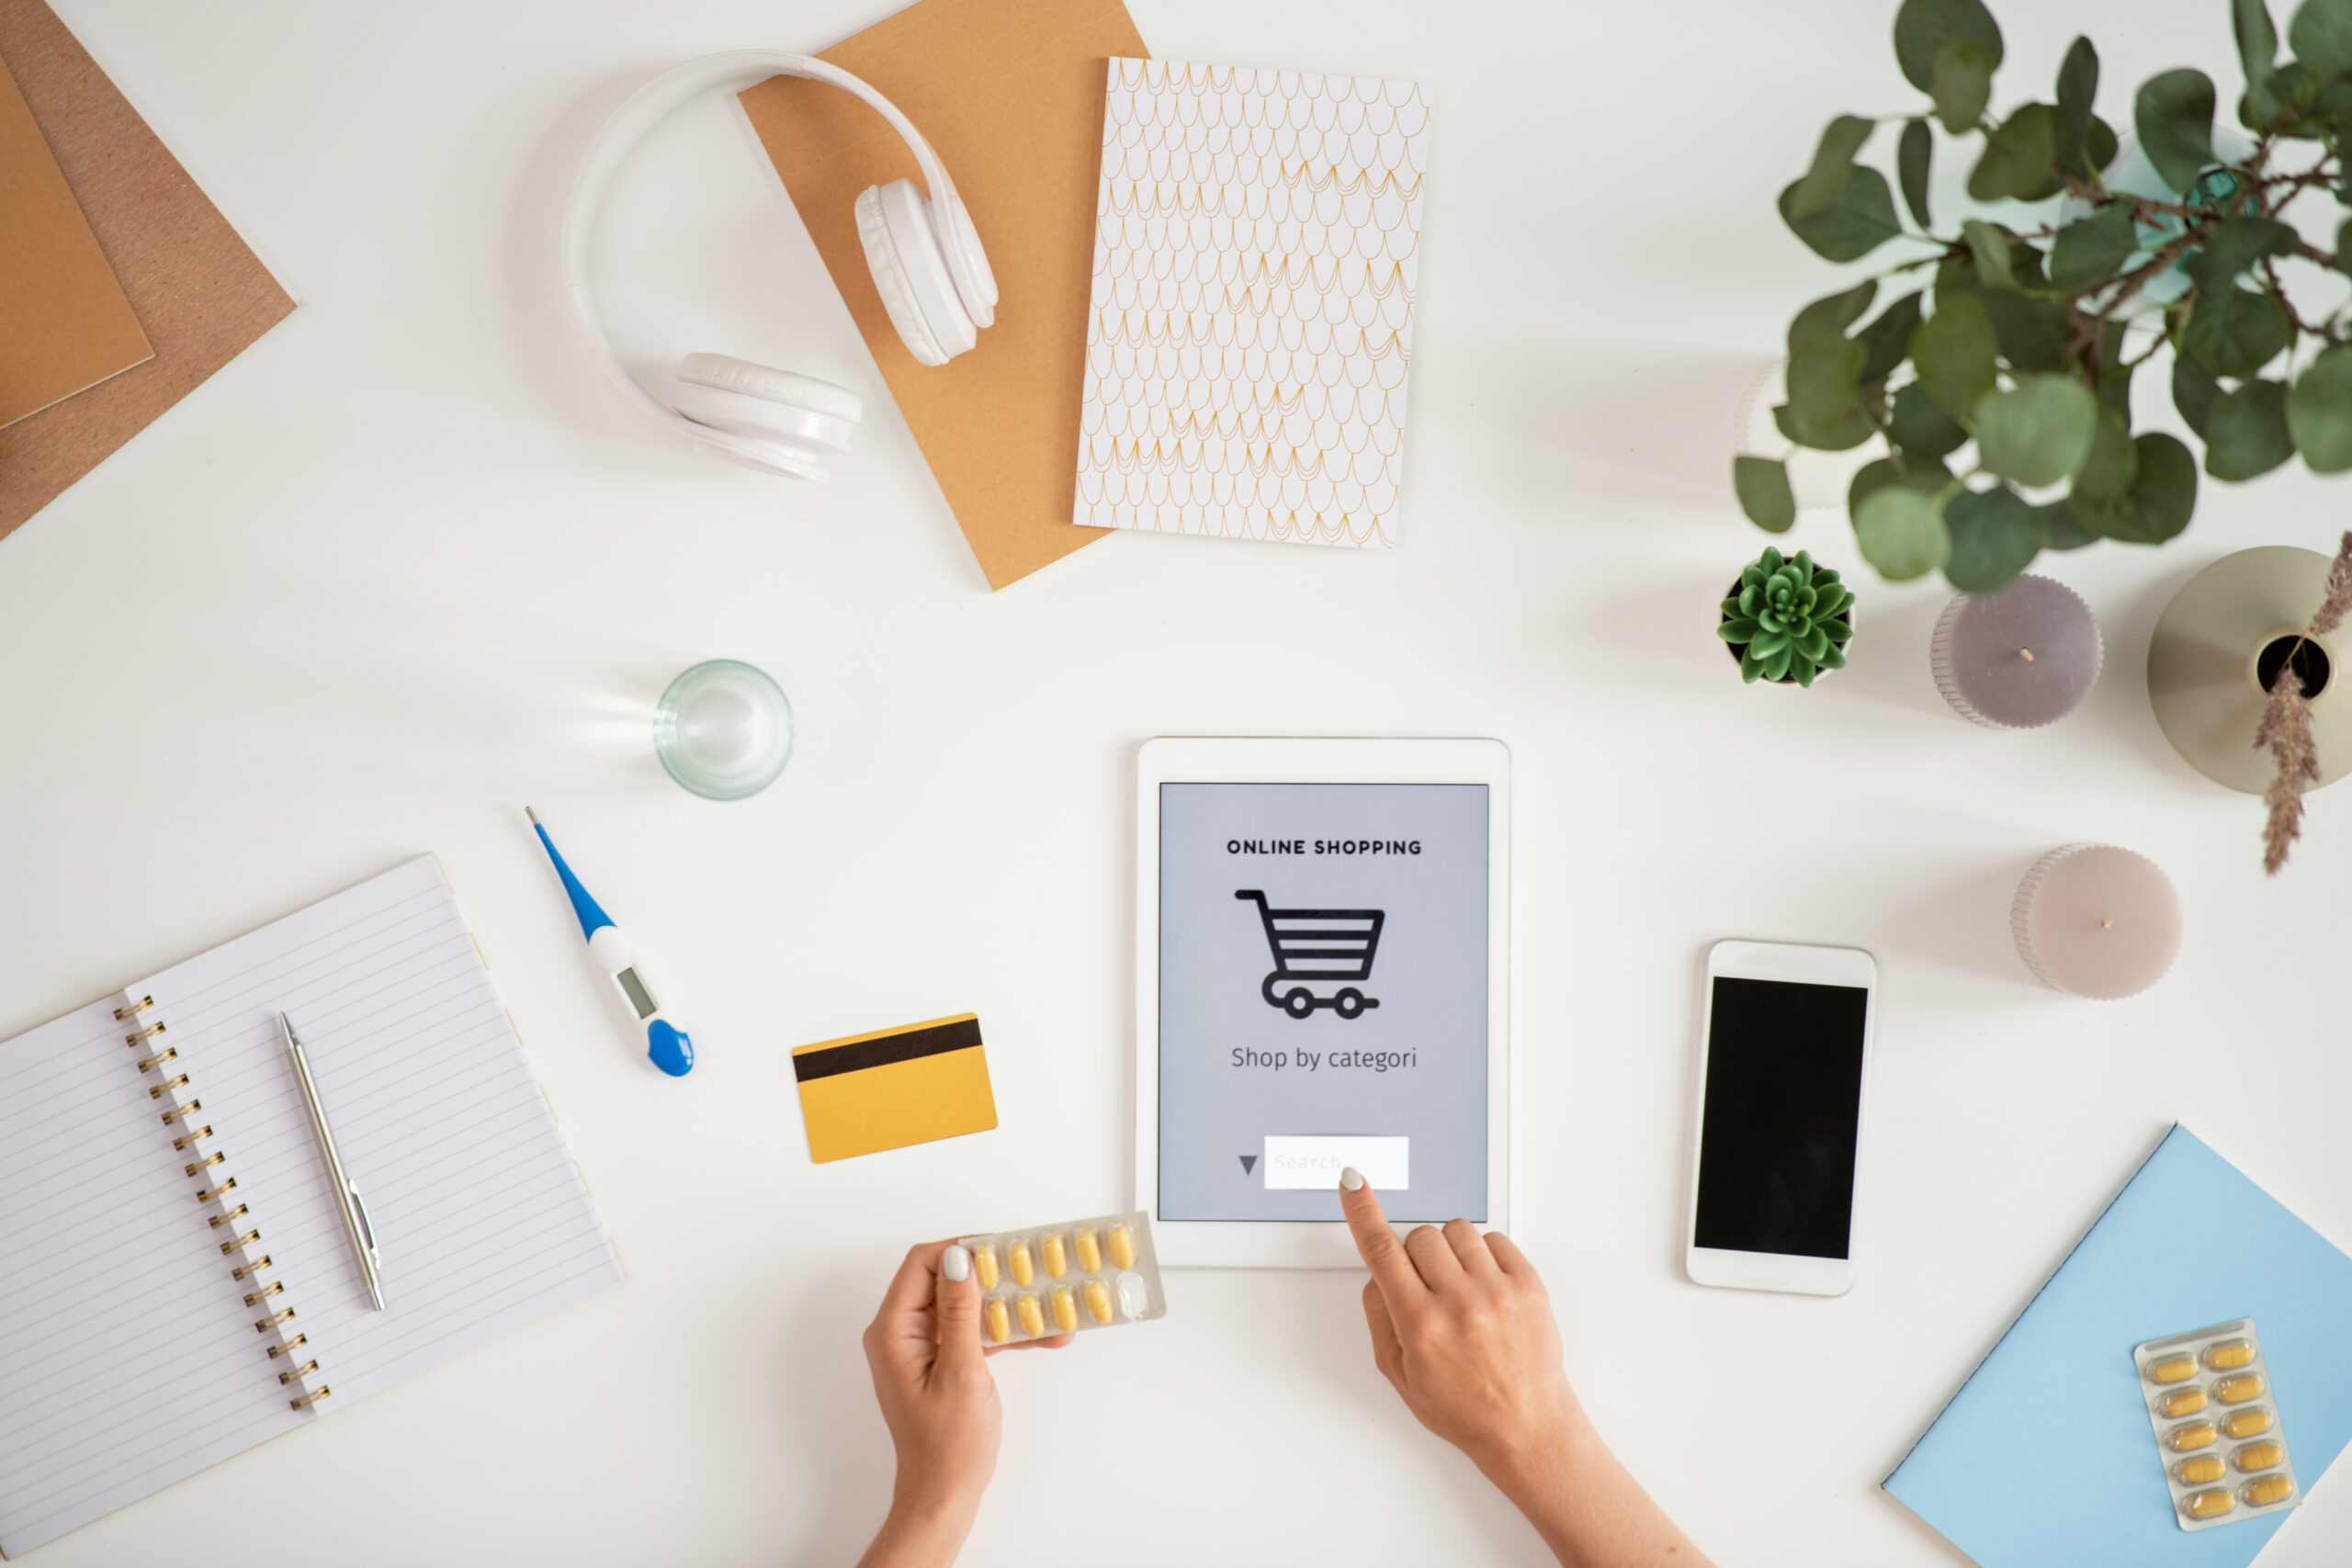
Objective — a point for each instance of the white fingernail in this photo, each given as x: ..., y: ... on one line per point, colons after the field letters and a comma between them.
x: 1352, y: 1178
x: 957, y: 1264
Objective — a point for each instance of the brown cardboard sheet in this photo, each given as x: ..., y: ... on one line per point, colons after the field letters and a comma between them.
x: 1010, y: 93
x: 200, y: 294
x: 65, y: 324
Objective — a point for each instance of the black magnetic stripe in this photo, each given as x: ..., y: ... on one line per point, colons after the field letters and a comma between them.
x: 963, y: 1034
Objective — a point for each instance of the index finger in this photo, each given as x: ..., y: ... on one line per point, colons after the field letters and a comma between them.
x: 1376, y: 1244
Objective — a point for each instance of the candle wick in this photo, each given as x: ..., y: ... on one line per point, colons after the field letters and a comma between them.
x: 2029, y: 654
x: 2104, y: 924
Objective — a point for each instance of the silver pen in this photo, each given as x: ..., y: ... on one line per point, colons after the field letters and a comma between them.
x: 354, y: 1212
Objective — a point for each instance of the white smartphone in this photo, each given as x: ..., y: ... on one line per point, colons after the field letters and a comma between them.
x: 1784, y: 1056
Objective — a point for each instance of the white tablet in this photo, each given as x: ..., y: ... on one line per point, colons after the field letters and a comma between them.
x: 1322, y: 941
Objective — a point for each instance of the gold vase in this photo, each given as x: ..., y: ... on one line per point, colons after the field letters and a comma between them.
x: 2228, y: 629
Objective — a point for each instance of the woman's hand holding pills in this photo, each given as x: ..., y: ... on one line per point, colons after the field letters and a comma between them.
x: 932, y: 1379
x: 1462, y: 1328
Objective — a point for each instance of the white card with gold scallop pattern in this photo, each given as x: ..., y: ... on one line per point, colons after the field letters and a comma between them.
x: 1255, y: 236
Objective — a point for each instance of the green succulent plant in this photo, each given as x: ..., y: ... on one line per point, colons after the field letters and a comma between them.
x: 1787, y: 619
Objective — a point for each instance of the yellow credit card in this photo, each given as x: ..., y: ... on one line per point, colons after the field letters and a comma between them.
x: 894, y: 1086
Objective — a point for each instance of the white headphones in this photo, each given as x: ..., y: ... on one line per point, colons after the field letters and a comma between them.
x: 925, y: 256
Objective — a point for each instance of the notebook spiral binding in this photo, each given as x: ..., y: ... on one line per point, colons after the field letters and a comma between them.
x: 217, y: 1189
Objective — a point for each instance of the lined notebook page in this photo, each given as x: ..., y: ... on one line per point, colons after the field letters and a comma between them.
x: 482, y: 1218
x: 128, y: 1359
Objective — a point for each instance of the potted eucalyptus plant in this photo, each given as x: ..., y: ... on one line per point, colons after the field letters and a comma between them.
x: 1999, y: 370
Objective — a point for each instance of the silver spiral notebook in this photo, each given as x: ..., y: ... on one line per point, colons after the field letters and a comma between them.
x: 175, y: 1284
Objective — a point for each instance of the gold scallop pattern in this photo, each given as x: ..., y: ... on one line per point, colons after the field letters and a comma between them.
x: 1252, y: 322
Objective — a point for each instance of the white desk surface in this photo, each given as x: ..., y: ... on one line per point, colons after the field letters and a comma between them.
x: 408, y: 564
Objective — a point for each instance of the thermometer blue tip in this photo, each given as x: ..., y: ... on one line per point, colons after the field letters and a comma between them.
x: 671, y: 1048
x: 592, y: 918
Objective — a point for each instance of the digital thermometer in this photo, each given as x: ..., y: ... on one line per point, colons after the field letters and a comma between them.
x: 670, y: 1047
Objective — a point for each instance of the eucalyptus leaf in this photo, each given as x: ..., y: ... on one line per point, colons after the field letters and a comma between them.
x: 2113, y: 463
x: 2162, y: 498
x: 1762, y: 484
x: 2101, y: 144
x: 1902, y: 532
x: 1823, y: 409
x: 2173, y: 114
x: 1923, y: 27
x: 2258, y: 39
x: 2115, y: 372
x: 1833, y: 160
x: 2031, y: 332
x: 1886, y: 341
x: 2193, y: 391
x: 1962, y: 86
x: 2321, y: 36
x: 2235, y: 332
x: 1925, y: 475
x: 1826, y: 318
x: 1920, y: 427
x: 2039, y: 432
x: 2247, y: 433
x: 2092, y: 250
x: 2279, y: 99
x: 2064, y: 531
x: 1989, y: 243
x: 2077, y: 85
x: 2017, y: 157
x: 1954, y: 350
x: 2344, y: 245
x: 1994, y: 535
x: 1914, y: 157
x: 1860, y: 220
x: 2234, y: 246
x: 2319, y: 411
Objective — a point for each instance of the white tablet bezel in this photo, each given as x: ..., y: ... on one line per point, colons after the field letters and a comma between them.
x: 1803, y: 964
x: 1310, y: 1244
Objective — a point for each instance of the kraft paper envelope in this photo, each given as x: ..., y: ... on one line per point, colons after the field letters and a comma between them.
x: 894, y: 1086
x: 200, y: 294
x: 65, y: 324
x: 1009, y: 95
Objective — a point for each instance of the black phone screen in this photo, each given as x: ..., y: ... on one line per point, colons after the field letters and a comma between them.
x: 1783, y: 1115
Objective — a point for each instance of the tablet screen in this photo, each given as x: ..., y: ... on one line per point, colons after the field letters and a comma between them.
x: 1323, y: 980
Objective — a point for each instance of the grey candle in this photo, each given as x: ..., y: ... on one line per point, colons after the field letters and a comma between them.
x: 2017, y: 658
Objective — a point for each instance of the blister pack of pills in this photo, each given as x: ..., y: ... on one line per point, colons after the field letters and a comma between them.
x: 2217, y: 1425
x: 1066, y: 1278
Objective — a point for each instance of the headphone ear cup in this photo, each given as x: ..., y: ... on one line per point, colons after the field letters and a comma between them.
x: 769, y: 418
x: 910, y: 273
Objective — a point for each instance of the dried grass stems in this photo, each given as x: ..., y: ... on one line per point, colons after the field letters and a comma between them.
x: 2286, y: 729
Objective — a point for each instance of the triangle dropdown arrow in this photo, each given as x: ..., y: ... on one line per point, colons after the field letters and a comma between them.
x: 1248, y: 1163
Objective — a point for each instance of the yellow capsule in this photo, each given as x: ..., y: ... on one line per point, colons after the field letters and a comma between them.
x: 1064, y: 1309
x: 2238, y: 1390
x: 2196, y: 1435
x: 2247, y: 1423
x: 1032, y: 1316
x: 1089, y: 1252
x: 1016, y: 1258
x: 2269, y: 1489
x: 2182, y: 1402
x: 984, y: 1266
x: 2260, y: 1456
x: 2210, y: 1505
x: 1051, y: 1253
x: 1000, y: 1322
x: 1123, y: 1247
x: 2201, y: 1471
x: 2178, y: 1369
x: 2230, y: 1354
x: 1098, y: 1301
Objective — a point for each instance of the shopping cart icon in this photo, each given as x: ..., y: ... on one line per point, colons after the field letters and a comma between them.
x: 1315, y: 947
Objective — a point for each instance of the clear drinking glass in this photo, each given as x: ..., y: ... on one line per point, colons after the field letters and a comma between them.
x: 723, y: 729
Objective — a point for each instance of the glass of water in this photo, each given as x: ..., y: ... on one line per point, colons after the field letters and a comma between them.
x: 723, y: 729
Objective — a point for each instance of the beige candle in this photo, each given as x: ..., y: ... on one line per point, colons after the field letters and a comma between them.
x: 2097, y: 921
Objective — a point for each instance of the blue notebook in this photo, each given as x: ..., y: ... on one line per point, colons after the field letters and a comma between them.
x: 2061, y: 1381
